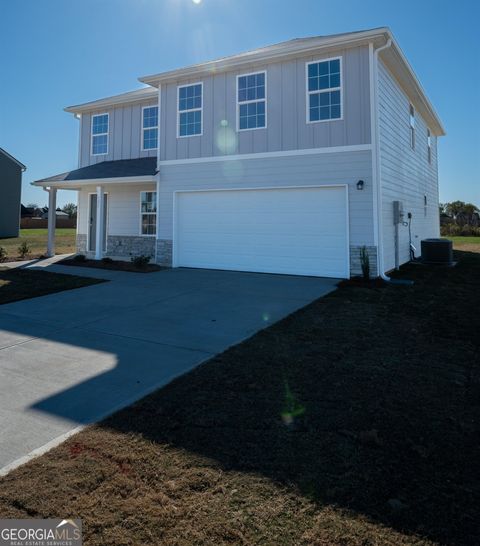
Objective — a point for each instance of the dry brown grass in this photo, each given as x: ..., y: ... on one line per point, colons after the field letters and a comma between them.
x: 386, y: 452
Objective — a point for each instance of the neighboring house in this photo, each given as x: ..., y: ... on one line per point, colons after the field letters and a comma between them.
x: 58, y: 213
x: 27, y: 212
x: 10, y: 194
x: 286, y: 159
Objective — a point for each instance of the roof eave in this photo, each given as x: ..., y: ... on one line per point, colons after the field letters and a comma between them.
x: 108, y: 102
x: 78, y: 184
x: 266, y: 54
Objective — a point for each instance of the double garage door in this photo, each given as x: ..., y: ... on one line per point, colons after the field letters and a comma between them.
x: 297, y: 231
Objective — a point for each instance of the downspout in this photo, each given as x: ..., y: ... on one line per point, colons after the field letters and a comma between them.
x: 376, y: 159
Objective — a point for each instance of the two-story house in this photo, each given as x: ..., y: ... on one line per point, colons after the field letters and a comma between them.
x: 286, y: 159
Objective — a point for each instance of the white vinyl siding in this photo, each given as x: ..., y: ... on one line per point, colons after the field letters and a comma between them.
x: 406, y: 174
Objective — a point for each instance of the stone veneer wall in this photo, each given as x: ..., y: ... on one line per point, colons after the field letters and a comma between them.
x: 164, y: 252
x: 81, y: 243
x: 128, y: 246
x: 355, y: 265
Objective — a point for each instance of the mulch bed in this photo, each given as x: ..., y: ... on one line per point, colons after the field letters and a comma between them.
x: 115, y: 265
x: 382, y: 386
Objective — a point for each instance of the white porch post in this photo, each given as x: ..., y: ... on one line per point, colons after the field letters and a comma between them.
x: 52, y: 217
x: 99, y: 240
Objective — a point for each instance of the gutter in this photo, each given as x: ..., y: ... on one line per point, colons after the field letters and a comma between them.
x: 378, y: 227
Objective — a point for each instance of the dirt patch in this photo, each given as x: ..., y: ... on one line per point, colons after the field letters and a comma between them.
x: 114, y: 265
x: 383, y: 389
x: 21, y: 284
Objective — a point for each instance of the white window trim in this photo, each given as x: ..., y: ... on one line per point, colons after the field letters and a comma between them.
x: 308, y: 93
x: 429, y: 146
x: 251, y: 101
x: 143, y: 129
x: 99, y: 134
x: 150, y: 213
x: 411, y: 124
x: 189, y: 110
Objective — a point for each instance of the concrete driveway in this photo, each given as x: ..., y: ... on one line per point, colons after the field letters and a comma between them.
x: 71, y: 358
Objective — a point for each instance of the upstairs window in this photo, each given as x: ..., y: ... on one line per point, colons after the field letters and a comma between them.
x: 149, y: 127
x: 190, y: 110
x: 412, y: 127
x: 324, y: 90
x: 251, y: 101
x: 100, y: 134
x: 429, y: 146
x: 148, y: 212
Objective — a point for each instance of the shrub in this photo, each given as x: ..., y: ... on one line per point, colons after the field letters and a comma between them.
x: 141, y: 261
x: 23, y: 249
x: 453, y: 230
x: 365, y: 263
x: 107, y: 260
x: 79, y: 258
x: 3, y: 254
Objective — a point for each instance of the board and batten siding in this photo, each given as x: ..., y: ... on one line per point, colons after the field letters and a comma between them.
x: 276, y: 172
x: 124, y: 134
x: 287, y: 128
x: 407, y: 175
x: 123, y: 211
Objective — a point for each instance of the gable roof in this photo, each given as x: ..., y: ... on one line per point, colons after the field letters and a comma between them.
x: 145, y: 93
x: 393, y: 58
x: 122, y: 168
x: 5, y: 153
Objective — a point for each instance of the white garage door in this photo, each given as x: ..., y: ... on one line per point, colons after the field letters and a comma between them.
x: 298, y: 231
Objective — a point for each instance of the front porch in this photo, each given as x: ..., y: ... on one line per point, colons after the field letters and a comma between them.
x: 117, y: 208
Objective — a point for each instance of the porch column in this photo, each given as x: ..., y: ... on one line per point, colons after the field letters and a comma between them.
x: 99, y: 239
x: 52, y: 217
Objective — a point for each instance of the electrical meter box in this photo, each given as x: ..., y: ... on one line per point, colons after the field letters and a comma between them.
x: 398, y: 212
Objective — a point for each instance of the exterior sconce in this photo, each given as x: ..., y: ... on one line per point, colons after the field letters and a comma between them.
x: 360, y: 185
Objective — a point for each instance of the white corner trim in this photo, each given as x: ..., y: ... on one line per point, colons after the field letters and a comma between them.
x: 268, y: 155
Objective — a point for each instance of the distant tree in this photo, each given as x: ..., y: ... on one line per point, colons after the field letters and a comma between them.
x: 460, y: 207
x: 70, y: 209
x: 464, y: 214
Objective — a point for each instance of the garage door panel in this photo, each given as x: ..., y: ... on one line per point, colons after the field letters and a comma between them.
x: 299, y: 231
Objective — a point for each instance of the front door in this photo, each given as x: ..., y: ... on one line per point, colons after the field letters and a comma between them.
x: 92, y: 226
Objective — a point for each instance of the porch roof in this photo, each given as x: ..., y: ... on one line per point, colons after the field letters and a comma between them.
x: 142, y: 169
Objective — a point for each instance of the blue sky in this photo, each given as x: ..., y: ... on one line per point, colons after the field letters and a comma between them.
x: 56, y: 53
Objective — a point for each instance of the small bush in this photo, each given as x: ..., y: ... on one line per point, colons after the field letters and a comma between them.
x: 23, y: 249
x: 79, y: 258
x: 141, y: 261
x: 3, y: 254
x: 107, y: 260
x: 365, y: 263
x: 453, y: 230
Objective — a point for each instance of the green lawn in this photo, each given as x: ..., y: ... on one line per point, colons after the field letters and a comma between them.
x: 462, y: 240
x: 37, y: 241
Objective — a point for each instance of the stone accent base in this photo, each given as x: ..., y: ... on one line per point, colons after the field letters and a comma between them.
x: 81, y: 243
x: 164, y: 252
x: 124, y: 246
x: 355, y: 265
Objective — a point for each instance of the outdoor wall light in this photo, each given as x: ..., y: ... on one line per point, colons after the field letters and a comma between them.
x: 360, y: 185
